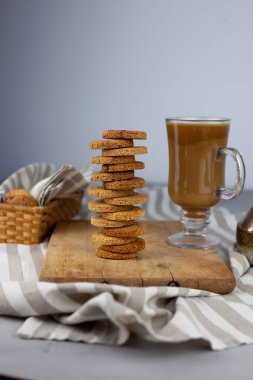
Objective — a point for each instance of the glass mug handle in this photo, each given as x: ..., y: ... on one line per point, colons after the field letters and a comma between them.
x: 226, y: 193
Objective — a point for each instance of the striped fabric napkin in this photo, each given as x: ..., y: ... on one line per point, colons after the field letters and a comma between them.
x: 66, y: 182
x: 44, y: 184
x: 108, y: 314
x: 101, y: 313
x: 27, y: 177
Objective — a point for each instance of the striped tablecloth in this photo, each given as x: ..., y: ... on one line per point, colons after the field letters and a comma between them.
x: 101, y: 313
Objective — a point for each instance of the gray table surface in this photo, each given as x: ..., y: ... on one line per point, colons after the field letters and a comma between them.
x: 138, y: 359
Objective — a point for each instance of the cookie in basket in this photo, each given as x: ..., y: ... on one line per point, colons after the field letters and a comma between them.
x: 20, y: 197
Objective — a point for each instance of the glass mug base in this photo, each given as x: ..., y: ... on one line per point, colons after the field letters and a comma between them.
x: 184, y: 240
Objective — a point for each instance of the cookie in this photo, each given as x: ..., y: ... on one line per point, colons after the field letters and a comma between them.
x: 118, y: 176
x: 110, y: 144
x: 20, y: 197
x: 124, y: 134
x: 136, y: 165
x: 112, y: 160
x: 134, y: 246
x: 136, y: 212
x: 98, y: 237
x: 124, y: 151
x: 99, y: 221
x: 115, y: 256
x: 16, y: 192
x: 135, y: 229
x: 100, y: 206
x: 132, y: 183
x: 100, y: 192
x: 134, y: 199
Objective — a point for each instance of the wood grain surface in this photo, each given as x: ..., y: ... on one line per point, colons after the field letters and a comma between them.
x: 71, y: 257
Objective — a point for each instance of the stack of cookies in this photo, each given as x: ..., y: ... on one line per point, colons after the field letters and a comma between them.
x: 119, y: 233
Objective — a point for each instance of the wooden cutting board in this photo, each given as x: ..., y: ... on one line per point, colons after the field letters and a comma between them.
x: 71, y: 257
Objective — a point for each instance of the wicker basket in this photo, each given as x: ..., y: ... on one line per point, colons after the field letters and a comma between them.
x: 29, y: 225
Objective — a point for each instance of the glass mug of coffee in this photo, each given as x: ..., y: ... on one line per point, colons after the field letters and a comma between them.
x: 197, y: 152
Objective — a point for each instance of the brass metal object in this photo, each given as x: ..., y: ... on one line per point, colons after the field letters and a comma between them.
x: 244, y: 236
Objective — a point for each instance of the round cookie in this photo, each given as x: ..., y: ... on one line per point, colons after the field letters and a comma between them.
x: 98, y: 237
x: 16, y: 192
x: 124, y: 134
x: 99, y: 221
x: 118, y: 176
x: 114, y: 256
x: 132, y: 183
x: 20, y: 197
x: 134, y: 199
x: 101, y: 192
x: 136, y: 165
x: 136, y: 212
x: 135, y: 229
x: 112, y: 160
x: 100, y: 206
x: 110, y: 144
x: 134, y: 246
x: 124, y: 151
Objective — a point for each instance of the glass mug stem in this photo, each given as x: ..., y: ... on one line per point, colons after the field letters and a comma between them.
x: 195, y: 226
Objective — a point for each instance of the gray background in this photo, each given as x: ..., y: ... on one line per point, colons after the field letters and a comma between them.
x: 69, y: 69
